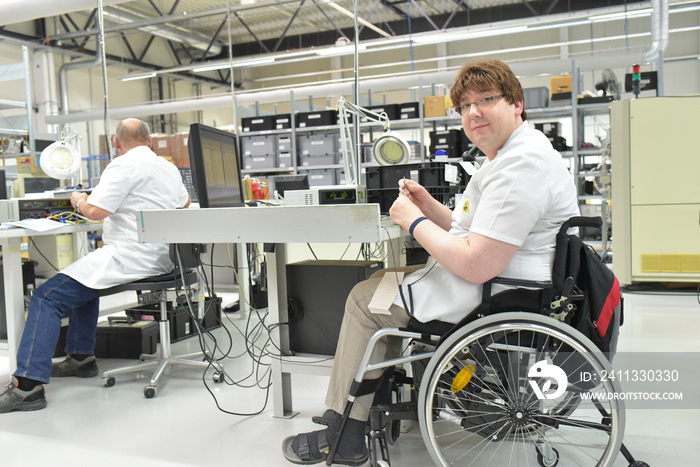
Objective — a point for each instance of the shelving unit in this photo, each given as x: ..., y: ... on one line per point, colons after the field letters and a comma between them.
x: 10, y: 126
x: 577, y: 113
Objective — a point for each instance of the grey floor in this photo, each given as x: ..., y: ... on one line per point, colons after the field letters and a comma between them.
x: 86, y: 424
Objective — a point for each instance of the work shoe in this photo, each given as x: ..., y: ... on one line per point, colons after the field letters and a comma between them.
x: 72, y: 367
x: 13, y: 398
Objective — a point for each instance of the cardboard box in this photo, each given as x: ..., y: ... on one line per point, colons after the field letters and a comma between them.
x: 28, y: 165
x: 559, y: 84
x: 102, y: 143
x: 179, y: 151
x: 436, y: 106
x: 161, y: 145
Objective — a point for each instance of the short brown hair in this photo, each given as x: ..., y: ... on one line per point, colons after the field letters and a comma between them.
x: 483, y: 75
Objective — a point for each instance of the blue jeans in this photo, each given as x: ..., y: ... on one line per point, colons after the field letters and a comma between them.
x: 50, y: 302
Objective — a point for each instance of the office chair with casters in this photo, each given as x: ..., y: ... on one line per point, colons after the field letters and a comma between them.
x: 153, y: 290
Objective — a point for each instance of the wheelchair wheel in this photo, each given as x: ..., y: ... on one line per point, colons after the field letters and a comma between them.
x: 514, y: 389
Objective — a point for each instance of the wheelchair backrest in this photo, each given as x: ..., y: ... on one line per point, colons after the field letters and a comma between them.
x: 581, y: 279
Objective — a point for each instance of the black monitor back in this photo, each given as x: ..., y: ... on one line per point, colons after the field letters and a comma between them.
x: 216, y: 173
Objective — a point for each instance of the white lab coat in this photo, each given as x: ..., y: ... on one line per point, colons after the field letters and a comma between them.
x: 521, y: 197
x: 135, y: 181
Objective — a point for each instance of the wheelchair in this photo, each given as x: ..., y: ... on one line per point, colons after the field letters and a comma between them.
x: 510, y: 385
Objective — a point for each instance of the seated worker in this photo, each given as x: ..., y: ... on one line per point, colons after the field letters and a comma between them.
x: 136, y: 180
x: 504, y: 224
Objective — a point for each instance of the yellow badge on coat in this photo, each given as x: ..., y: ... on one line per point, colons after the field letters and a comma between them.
x: 465, y: 206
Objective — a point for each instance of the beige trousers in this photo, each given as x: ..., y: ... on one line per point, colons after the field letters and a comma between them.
x: 358, y: 326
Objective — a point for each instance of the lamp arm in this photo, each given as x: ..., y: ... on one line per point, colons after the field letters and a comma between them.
x: 350, y: 157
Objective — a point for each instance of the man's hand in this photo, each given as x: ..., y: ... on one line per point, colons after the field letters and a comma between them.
x: 403, y: 212
x: 78, y: 196
x: 86, y: 209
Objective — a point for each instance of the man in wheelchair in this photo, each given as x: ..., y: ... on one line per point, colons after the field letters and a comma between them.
x: 505, y: 224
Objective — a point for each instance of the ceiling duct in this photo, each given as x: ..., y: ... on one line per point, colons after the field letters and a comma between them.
x: 63, y: 80
x: 659, y: 29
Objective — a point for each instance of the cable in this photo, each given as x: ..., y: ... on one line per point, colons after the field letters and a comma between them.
x: 42, y: 255
x: 260, y: 371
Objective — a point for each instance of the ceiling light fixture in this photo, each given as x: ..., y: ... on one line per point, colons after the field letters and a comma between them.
x: 152, y: 74
x: 451, y: 36
x: 235, y: 64
x: 340, y: 50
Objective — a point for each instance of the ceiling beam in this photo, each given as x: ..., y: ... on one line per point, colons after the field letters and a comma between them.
x: 289, y: 25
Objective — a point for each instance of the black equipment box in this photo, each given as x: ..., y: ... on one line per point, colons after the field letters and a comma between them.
x: 317, y: 291
x: 409, y: 110
x: 28, y: 277
x: 391, y: 110
x: 454, y: 142
x: 261, y: 123
x: 383, y: 182
x: 282, y: 121
x: 181, y: 322
x: 320, y: 118
x: 549, y: 128
x: 41, y: 208
x: 120, y: 338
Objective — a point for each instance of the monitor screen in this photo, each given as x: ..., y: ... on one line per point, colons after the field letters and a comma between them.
x: 291, y: 182
x: 216, y: 173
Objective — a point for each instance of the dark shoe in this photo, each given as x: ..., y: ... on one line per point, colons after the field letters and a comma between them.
x: 313, y: 448
x: 72, y: 367
x: 326, y: 419
x: 13, y: 398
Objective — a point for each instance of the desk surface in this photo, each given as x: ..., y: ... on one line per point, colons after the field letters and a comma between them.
x: 68, y: 228
x: 350, y: 223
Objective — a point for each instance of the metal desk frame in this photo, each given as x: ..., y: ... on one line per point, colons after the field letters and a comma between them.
x: 10, y: 242
x: 280, y: 225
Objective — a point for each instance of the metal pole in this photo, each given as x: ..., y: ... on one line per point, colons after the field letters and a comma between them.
x: 356, y: 120
x: 101, y: 39
x: 28, y: 102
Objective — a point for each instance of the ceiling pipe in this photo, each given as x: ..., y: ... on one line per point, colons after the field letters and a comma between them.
x: 62, y: 78
x: 659, y: 30
x: 19, y: 11
x: 247, y: 99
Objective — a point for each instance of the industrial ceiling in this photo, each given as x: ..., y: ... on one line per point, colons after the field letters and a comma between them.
x: 203, y: 31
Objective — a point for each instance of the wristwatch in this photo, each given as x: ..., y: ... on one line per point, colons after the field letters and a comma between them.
x: 77, y: 206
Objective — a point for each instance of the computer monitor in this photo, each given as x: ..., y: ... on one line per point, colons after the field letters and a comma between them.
x: 29, y: 183
x: 216, y: 174
x: 291, y: 182
x: 3, y: 184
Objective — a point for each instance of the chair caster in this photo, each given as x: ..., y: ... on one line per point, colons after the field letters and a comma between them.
x: 218, y: 377
x: 109, y: 381
x: 542, y: 461
x: 149, y: 392
x: 639, y: 464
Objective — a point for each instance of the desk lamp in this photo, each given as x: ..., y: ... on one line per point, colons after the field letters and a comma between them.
x: 390, y: 148
x: 61, y: 160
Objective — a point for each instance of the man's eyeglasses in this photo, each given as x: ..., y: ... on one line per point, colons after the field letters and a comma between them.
x: 485, y: 102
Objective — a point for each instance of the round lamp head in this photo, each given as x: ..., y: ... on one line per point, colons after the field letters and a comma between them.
x: 60, y: 160
x: 390, y: 149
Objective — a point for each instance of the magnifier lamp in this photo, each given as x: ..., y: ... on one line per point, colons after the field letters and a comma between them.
x: 390, y: 148
x: 61, y: 160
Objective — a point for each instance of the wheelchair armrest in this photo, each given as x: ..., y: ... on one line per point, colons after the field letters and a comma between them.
x: 521, y: 282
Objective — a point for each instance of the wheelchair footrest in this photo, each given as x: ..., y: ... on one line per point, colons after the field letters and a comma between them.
x: 381, y: 415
